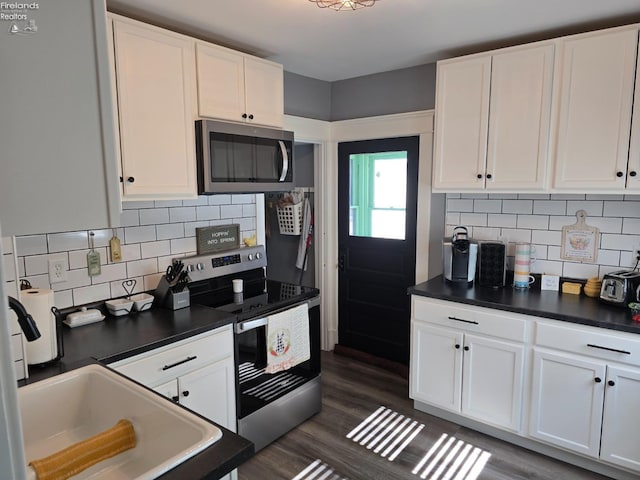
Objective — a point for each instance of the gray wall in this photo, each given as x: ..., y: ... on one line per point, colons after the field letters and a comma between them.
x: 398, y: 91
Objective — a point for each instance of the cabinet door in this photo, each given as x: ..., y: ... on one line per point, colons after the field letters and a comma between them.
x: 210, y: 391
x: 156, y: 103
x: 520, y: 109
x: 264, y: 92
x: 594, y: 119
x: 492, y: 381
x: 436, y: 366
x: 567, y: 401
x: 462, y: 112
x: 633, y: 167
x: 621, y: 422
x: 168, y: 389
x: 220, y: 82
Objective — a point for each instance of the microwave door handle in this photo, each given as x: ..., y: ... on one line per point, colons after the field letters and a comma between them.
x: 285, y: 161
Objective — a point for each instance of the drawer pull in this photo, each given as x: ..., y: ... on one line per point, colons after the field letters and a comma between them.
x: 611, y: 383
x: 462, y: 320
x: 188, y: 359
x: 608, y: 349
x: 175, y: 398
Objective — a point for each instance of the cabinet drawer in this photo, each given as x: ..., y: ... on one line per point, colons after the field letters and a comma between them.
x: 469, y: 318
x: 161, y: 365
x: 617, y: 346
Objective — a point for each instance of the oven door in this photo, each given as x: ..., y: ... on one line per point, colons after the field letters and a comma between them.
x: 256, y: 388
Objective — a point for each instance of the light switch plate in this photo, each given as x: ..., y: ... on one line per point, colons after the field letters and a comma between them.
x: 550, y: 282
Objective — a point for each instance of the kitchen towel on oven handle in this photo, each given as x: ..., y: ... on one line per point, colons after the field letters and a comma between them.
x: 288, y: 339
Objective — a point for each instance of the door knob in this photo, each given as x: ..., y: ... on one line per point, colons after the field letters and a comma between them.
x: 597, y: 379
x: 185, y: 393
x: 611, y: 383
x: 341, y: 262
x: 175, y: 398
x: 466, y: 348
x: 619, y: 174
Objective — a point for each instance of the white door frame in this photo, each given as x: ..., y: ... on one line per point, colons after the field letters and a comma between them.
x: 326, y: 136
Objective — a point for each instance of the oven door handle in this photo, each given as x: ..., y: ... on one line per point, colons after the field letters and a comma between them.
x: 250, y: 325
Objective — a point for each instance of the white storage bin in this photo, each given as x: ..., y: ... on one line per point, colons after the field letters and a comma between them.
x: 290, y: 219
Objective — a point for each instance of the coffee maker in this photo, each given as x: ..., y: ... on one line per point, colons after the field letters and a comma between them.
x: 459, y: 254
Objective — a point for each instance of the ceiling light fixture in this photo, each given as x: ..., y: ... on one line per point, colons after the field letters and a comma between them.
x: 344, y: 4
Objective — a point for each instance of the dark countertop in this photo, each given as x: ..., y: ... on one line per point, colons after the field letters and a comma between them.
x: 546, y: 303
x: 116, y: 338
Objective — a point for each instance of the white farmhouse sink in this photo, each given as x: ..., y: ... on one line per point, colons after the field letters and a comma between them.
x: 73, y: 406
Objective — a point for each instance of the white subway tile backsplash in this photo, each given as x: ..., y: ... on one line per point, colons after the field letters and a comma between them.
x: 549, y: 207
x: 93, y: 293
x: 129, y: 218
x: 130, y: 252
x: 126, y: 205
x: 609, y: 257
x: 39, y: 264
x: 478, y: 196
x: 604, y: 197
x: 31, y: 245
x: 155, y: 249
x: 459, y: 205
x: 201, y: 200
x: 502, y: 220
x: 517, y: 206
x: 546, y: 237
x: 538, y: 222
x: 513, y: 236
x: 110, y: 273
x: 243, y: 198
x: 452, y: 218
x: 534, y: 196
x: 485, y: 233
x: 183, y: 245
x: 246, y: 223
x: 219, y: 199
x: 504, y: 196
x: 473, y: 219
x: 554, y: 252
x: 118, y: 290
x: 78, y: 258
x: 627, y: 209
x: 38, y: 281
x: 593, y: 208
x: 487, y: 206
x: 153, y: 216
x: 151, y: 281
x: 140, y: 234
x: 631, y: 226
x: 190, y: 227
x: 547, y: 267
x: 580, y: 270
x: 606, y: 224
x: 63, y: 299
x: 249, y: 210
x: 138, y: 268
x: 182, y: 214
x: 75, y: 279
x: 230, y: 211
x: 170, y: 230
x: 567, y: 196
x: 209, y: 212
x: 619, y: 242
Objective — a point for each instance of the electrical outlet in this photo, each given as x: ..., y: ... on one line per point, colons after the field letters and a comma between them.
x: 57, y: 271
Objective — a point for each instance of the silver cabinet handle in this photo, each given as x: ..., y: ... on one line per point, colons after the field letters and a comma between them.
x: 285, y: 161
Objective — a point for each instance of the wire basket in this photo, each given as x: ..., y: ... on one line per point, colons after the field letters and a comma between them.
x: 290, y: 219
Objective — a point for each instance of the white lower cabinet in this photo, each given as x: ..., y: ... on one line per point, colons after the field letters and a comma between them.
x: 476, y: 375
x: 197, y: 373
x: 587, y: 406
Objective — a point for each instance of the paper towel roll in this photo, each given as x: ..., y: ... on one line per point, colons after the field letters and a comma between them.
x: 38, y: 303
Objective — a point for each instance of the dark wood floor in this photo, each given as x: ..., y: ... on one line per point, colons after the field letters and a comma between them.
x: 353, y: 390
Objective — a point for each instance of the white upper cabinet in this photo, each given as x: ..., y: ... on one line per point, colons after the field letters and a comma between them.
x: 633, y: 167
x: 594, y: 111
x: 492, y: 120
x: 462, y: 110
x: 238, y: 87
x: 156, y: 87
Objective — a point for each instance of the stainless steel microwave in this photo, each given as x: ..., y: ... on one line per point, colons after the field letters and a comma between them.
x: 242, y: 158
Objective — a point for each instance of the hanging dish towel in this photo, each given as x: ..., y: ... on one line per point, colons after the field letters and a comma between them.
x: 288, y: 339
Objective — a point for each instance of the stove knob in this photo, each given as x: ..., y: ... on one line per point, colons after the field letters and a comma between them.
x: 250, y: 257
x: 200, y: 266
x: 258, y: 255
x: 190, y: 268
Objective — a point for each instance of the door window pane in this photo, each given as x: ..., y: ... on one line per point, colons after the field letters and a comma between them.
x: 378, y: 194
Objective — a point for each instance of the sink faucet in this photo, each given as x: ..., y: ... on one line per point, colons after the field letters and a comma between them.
x: 26, y: 321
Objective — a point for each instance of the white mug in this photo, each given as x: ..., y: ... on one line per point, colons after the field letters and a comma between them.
x: 237, y: 285
x: 523, y: 281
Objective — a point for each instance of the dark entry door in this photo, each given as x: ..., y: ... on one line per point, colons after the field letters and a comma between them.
x: 377, y: 197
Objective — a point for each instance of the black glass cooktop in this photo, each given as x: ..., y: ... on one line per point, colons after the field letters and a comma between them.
x: 260, y: 296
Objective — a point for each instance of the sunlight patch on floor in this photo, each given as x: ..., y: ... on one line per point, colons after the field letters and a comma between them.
x: 318, y: 470
x: 386, y: 432
x: 452, y: 459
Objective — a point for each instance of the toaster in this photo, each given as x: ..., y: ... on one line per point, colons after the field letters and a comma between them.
x: 621, y: 287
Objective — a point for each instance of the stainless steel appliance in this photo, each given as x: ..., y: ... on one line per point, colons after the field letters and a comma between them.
x: 242, y: 158
x: 492, y: 263
x: 621, y: 287
x: 268, y: 404
x: 459, y: 254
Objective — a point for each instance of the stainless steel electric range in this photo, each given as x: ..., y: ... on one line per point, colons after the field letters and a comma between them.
x: 268, y: 404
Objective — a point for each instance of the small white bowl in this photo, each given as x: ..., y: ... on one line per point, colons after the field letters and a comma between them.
x: 142, y: 302
x: 118, y: 307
